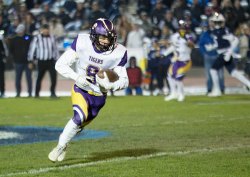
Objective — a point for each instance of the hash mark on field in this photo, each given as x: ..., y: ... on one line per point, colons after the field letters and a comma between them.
x: 123, y: 159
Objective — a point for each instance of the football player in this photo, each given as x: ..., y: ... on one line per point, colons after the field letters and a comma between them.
x: 91, y: 53
x: 181, y: 45
x: 226, y: 45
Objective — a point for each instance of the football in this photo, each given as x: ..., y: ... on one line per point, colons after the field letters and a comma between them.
x: 112, y: 76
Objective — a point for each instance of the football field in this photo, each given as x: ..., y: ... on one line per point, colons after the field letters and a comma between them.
x: 145, y: 137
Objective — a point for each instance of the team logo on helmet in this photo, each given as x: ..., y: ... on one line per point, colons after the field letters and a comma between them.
x: 94, y: 26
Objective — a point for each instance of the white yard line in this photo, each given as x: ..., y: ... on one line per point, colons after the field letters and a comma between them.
x: 223, y: 102
x: 123, y: 159
x: 217, y: 118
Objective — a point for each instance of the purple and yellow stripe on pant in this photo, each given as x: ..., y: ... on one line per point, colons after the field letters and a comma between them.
x: 178, y: 69
x: 85, y: 106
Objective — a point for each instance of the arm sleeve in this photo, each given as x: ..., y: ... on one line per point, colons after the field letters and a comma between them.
x: 169, y: 50
x: 234, y: 42
x: 122, y: 82
x: 64, y: 63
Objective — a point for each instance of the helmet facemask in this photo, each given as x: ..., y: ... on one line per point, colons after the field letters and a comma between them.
x: 218, y: 24
x: 218, y: 20
x: 182, y: 32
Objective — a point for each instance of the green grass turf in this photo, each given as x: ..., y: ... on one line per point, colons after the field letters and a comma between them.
x: 201, y: 137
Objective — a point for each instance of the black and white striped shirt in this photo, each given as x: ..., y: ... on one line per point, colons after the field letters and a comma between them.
x: 43, y: 48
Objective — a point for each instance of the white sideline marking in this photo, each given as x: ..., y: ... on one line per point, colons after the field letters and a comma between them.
x: 123, y: 159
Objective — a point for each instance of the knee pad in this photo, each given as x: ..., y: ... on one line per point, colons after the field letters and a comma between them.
x: 79, y: 116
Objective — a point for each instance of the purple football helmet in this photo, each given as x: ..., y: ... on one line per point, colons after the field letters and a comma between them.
x: 103, y: 27
x: 183, y: 28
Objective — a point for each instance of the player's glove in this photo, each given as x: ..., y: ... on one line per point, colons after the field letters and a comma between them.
x: 81, y: 82
x: 104, y: 83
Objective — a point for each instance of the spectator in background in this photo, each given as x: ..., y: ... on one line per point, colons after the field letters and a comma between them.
x: 196, y: 10
x: 46, y: 15
x: 231, y: 20
x: 143, y: 5
x: 135, y: 36
x: 80, y: 12
x: 165, y: 32
x: 69, y: 5
x: 19, y: 48
x: 3, y: 54
x: 29, y: 23
x: 3, y: 24
x: 158, y: 13
x: 243, y: 35
x: 22, y: 11
x: 230, y: 17
x: 155, y: 68
x: 64, y: 16
x: 226, y: 5
x: 123, y: 26
x: 155, y: 34
x: 95, y: 13
x: 211, y: 8
x: 208, y: 49
x: 165, y: 61
x: 113, y: 10
x: 170, y: 21
x: 134, y: 77
x: 239, y: 11
x: 146, y: 23
x: 13, y: 25
x: 37, y: 10
x: 56, y: 28
x: 189, y: 20
x: 179, y: 8
x: 30, y: 4
x: 78, y: 18
x: 44, y: 48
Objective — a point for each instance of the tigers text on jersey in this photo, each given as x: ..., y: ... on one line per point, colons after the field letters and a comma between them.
x: 181, y: 48
x: 89, y: 61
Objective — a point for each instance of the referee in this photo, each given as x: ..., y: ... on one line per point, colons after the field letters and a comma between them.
x: 43, y: 48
